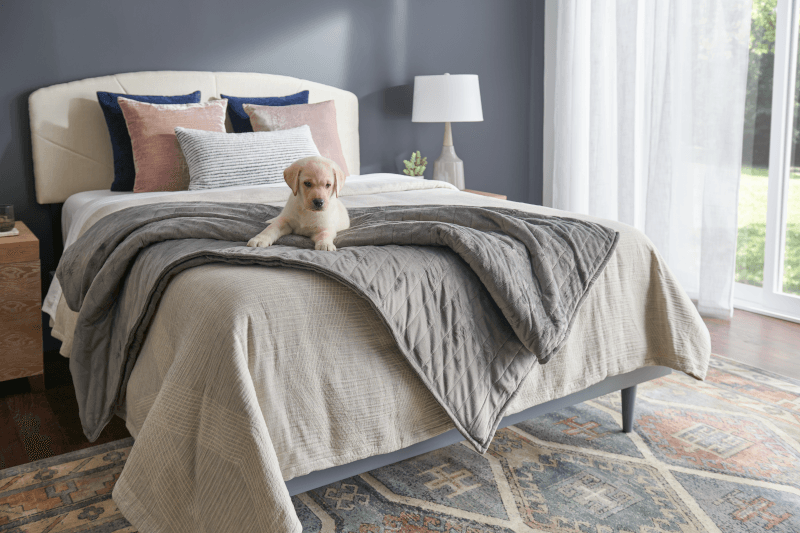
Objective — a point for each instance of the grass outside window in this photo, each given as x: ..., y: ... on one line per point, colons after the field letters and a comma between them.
x: 752, y: 230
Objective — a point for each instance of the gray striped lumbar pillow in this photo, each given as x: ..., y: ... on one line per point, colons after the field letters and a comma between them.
x: 227, y: 159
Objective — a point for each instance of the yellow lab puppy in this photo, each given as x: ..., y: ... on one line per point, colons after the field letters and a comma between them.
x: 314, y: 209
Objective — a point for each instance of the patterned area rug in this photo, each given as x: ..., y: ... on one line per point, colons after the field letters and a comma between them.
x: 719, y: 455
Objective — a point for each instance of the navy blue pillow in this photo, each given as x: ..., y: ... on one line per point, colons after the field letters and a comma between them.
x: 241, y: 120
x: 124, y: 170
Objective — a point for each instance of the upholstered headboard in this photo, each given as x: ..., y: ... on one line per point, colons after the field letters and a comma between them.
x: 71, y: 146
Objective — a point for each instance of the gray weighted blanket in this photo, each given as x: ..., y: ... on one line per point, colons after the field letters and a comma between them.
x: 474, y: 297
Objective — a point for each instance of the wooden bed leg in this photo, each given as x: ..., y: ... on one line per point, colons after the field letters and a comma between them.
x: 628, y: 404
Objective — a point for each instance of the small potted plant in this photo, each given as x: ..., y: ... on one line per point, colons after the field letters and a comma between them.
x: 416, y: 166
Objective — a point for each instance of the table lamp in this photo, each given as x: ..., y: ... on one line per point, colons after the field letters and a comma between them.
x: 447, y: 99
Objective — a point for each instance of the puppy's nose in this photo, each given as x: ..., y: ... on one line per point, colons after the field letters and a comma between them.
x: 318, y: 202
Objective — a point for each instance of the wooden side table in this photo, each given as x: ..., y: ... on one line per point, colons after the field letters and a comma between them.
x: 489, y: 194
x: 21, y: 308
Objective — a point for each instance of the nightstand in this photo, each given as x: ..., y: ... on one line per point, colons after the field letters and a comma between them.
x: 21, y: 308
x: 489, y: 194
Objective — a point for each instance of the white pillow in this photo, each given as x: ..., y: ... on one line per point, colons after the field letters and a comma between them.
x: 228, y: 159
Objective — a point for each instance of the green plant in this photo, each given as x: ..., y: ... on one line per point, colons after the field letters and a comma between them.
x: 416, y: 166
x: 762, y: 28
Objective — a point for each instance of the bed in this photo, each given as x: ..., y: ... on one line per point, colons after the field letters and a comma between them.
x: 297, y: 407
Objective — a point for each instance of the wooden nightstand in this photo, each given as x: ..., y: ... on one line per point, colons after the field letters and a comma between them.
x: 489, y: 194
x: 21, y: 308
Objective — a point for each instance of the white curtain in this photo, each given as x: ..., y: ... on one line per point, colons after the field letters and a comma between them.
x: 643, y: 124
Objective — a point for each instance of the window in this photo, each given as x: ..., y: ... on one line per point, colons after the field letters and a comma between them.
x: 768, y: 246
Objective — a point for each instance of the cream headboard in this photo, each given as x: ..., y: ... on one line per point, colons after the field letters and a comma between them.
x: 71, y: 147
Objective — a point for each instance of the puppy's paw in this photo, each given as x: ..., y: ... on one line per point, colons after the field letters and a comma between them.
x: 260, y: 241
x: 325, y: 245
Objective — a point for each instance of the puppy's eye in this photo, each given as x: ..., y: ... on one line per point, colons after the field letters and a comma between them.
x: 327, y: 185
x: 307, y: 183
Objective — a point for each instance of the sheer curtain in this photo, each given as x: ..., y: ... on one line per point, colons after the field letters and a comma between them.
x: 644, y: 110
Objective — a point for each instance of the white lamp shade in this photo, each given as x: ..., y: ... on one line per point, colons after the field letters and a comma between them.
x: 447, y: 98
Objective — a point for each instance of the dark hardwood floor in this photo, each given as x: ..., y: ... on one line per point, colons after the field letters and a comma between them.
x: 35, y: 425
x: 757, y: 340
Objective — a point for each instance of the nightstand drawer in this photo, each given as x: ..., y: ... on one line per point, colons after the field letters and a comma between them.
x: 21, y: 349
x: 20, y: 320
x: 19, y: 252
x: 20, y: 306
x: 20, y: 285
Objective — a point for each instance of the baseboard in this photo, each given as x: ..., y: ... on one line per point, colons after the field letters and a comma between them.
x: 755, y: 308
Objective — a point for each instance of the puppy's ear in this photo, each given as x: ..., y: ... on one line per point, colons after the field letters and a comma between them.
x: 292, y: 176
x: 338, y: 178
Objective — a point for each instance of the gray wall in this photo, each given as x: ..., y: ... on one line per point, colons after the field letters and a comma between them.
x: 370, y: 47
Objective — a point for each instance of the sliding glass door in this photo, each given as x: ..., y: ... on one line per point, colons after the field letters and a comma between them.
x: 768, y: 247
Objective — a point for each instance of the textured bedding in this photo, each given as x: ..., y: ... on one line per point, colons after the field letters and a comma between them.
x: 473, y: 296
x: 291, y: 407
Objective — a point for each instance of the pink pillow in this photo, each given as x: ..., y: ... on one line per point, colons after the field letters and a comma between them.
x: 321, y: 118
x: 157, y: 156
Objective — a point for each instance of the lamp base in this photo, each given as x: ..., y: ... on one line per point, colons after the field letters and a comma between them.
x: 449, y: 167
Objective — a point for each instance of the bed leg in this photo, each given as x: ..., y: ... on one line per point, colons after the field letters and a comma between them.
x: 628, y: 404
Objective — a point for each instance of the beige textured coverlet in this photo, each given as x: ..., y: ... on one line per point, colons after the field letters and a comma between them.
x: 250, y: 376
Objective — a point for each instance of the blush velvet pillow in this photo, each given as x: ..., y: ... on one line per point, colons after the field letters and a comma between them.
x: 157, y: 156
x: 240, y: 122
x: 124, y: 171
x: 321, y: 118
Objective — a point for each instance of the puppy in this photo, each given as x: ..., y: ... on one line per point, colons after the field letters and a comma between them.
x: 314, y: 209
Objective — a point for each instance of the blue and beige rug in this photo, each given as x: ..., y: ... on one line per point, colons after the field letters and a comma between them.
x: 720, y: 455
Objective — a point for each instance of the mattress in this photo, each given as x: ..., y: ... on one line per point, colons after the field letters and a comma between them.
x: 321, y: 397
